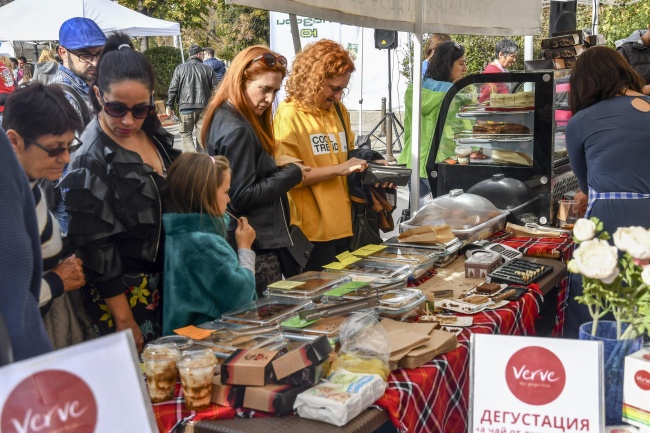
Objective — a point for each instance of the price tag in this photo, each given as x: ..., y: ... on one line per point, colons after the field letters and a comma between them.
x: 335, y: 265
x: 285, y: 284
x: 347, y: 258
x: 297, y: 322
x: 368, y: 250
x: 193, y: 332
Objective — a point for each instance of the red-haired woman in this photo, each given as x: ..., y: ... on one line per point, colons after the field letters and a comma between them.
x: 313, y: 126
x: 238, y: 126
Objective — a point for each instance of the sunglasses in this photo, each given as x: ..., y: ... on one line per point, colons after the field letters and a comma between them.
x: 117, y: 109
x: 270, y: 60
x: 86, y: 57
x: 457, y: 46
x: 57, y: 151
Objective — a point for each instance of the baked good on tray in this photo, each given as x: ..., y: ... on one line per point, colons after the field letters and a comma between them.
x: 487, y: 288
x: 500, y: 128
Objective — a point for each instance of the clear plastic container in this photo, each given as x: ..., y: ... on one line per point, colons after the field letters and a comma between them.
x: 266, y: 311
x: 380, y: 270
x: 315, y: 284
x: 398, y: 313
x: 471, y: 217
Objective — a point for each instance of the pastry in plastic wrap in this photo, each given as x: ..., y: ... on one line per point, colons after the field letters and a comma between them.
x: 341, y: 398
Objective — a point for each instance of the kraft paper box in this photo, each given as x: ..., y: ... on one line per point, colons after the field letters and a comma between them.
x: 307, y: 376
x: 305, y: 356
x: 226, y: 395
x: 276, y: 399
x: 248, y: 367
x: 636, y: 389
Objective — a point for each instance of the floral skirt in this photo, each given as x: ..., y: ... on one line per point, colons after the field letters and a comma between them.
x: 143, y: 294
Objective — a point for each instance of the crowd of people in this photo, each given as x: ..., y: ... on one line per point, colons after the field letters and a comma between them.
x: 118, y: 230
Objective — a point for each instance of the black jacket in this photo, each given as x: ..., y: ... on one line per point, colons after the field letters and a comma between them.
x: 191, y: 85
x: 115, y: 208
x: 258, y: 187
x: 636, y: 53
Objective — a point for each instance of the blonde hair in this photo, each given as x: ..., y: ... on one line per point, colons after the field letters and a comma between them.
x: 46, y: 56
x: 318, y: 62
x: 192, y: 183
x: 7, y: 62
x: 232, y: 89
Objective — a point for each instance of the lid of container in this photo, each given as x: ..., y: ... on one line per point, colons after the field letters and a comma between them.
x: 503, y: 192
x: 453, y: 205
x: 159, y: 352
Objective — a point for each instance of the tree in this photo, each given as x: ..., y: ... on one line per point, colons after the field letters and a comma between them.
x: 189, y: 13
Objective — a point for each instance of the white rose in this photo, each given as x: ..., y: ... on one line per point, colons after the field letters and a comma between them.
x: 634, y: 240
x: 645, y: 275
x: 597, y: 259
x: 584, y: 229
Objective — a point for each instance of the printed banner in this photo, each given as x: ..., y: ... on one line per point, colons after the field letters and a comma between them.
x: 369, y: 81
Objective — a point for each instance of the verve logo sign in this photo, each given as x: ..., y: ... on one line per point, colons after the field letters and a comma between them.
x: 535, y: 375
x: 642, y: 379
x: 50, y: 401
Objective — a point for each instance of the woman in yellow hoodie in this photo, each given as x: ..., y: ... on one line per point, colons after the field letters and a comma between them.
x: 313, y: 126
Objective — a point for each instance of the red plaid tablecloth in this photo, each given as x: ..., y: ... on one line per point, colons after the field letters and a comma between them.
x: 559, y: 248
x: 435, y: 397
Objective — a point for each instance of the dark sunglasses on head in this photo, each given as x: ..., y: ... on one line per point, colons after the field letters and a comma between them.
x: 117, y: 109
x: 270, y: 60
x: 457, y: 46
x: 57, y: 151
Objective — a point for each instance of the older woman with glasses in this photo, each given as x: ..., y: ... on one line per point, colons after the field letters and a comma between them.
x: 314, y: 126
x: 238, y: 126
x: 506, y: 55
x: 113, y: 201
x: 43, y: 149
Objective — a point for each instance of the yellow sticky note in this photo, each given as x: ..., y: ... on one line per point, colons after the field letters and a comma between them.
x: 286, y: 284
x: 335, y: 265
x: 362, y: 252
x: 343, y: 256
x: 375, y: 247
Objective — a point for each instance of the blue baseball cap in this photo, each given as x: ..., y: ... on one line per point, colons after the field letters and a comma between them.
x: 78, y: 32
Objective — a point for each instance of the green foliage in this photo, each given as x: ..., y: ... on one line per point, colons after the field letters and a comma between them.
x: 189, y: 13
x: 616, y: 22
x: 164, y: 61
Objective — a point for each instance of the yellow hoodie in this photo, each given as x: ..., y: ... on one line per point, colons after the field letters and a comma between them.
x: 323, y: 210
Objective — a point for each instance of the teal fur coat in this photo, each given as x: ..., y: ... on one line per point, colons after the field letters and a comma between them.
x: 202, y: 276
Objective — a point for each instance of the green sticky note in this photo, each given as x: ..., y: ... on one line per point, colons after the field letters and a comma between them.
x: 297, y: 322
x: 346, y: 288
x: 285, y: 284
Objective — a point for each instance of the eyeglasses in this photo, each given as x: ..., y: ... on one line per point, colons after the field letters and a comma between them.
x: 86, y: 57
x: 117, y: 109
x: 270, y: 60
x: 57, y: 151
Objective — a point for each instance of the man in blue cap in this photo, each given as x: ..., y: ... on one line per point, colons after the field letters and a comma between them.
x: 80, y: 45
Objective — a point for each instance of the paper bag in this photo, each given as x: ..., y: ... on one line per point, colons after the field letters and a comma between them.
x: 427, y: 235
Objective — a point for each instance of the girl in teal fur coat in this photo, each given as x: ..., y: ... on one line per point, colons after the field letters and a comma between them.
x: 203, y: 278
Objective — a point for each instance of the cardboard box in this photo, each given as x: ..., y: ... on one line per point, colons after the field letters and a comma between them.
x: 276, y: 399
x: 561, y: 41
x: 564, y: 52
x: 636, y: 389
x: 307, y: 376
x: 481, y: 264
x: 248, y: 367
x: 306, y: 355
x: 226, y: 395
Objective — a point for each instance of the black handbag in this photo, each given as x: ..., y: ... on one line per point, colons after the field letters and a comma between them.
x: 365, y: 225
x: 293, y: 258
x: 378, y: 173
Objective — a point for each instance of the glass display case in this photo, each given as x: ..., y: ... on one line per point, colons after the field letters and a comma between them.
x: 495, y: 138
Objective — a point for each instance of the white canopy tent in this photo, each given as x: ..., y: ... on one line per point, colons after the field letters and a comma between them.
x: 39, y: 20
x: 475, y: 17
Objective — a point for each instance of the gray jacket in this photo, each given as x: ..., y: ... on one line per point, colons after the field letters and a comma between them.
x: 44, y: 72
x: 191, y: 85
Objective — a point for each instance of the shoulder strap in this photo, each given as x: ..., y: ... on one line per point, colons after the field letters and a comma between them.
x: 68, y: 89
x: 345, y: 126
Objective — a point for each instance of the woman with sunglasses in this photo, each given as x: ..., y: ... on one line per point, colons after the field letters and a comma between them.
x: 43, y: 149
x: 238, y: 126
x: 113, y: 201
x: 314, y: 126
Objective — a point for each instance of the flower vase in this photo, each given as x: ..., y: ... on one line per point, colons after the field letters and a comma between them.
x: 614, y: 352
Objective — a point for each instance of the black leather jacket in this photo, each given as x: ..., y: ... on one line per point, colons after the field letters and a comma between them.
x: 115, y: 208
x: 258, y: 187
x: 191, y: 85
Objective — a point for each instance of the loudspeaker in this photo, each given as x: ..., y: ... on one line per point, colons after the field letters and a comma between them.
x: 563, y: 16
x: 385, y: 39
